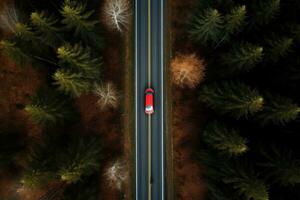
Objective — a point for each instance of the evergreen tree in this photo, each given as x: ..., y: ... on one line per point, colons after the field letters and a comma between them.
x: 247, y: 183
x: 72, y: 83
x: 278, y: 48
x: 224, y: 139
x: 49, y: 109
x: 233, y: 98
x: 42, y: 161
x: 206, y: 27
x: 54, y: 159
x: 11, y: 50
x: 36, y: 178
x: 30, y: 43
x: 82, y: 158
x: 235, y: 20
x: 265, y: 11
x: 242, y: 57
x: 278, y: 110
x: 237, y: 175
x: 78, y: 19
x: 80, y: 59
x: 282, y: 168
x: 45, y: 28
x: 24, y: 32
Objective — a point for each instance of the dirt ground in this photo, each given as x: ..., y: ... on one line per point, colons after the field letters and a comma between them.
x: 186, y: 115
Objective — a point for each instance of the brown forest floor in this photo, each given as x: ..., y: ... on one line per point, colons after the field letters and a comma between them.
x: 186, y: 114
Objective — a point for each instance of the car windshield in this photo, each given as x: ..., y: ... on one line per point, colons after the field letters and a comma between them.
x: 148, y: 108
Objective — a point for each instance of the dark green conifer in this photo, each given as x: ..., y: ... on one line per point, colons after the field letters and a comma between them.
x: 82, y: 158
x: 233, y: 98
x: 72, y: 83
x: 16, y: 54
x: 49, y: 109
x: 206, y: 27
x: 278, y: 48
x: 77, y: 18
x: 247, y: 183
x: 24, y: 32
x: 45, y: 27
x: 80, y: 59
x: 235, y: 20
x: 224, y: 139
x: 242, y: 57
x: 42, y: 162
x: 282, y: 167
x: 235, y: 176
x: 278, y: 110
x: 265, y: 11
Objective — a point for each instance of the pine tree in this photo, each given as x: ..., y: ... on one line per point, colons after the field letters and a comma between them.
x: 30, y: 43
x: 242, y: 57
x: 282, y: 168
x: 247, y: 183
x: 278, y: 110
x: 265, y: 11
x: 224, y: 139
x: 11, y: 50
x: 82, y: 158
x: 56, y: 159
x: 278, y: 48
x: 45, y: 28
x: 49, y: 109
x: 233, y: 98
x: 234, y: 20
x: 80, y: 59
x: 72, y: 83
x: 42, y: 160
x: 232, y: 174
x: 24, y: 32
x: 206, y: 27
x: 36, y: 178
x: 78, y: 19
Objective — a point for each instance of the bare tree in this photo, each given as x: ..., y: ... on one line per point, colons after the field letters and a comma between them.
x: 9, y: 18
x: 116, y: 174
x: 107, y: 95
x: 187, y: 70
x: 117, y: 14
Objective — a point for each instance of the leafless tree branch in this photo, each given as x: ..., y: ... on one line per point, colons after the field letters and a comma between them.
x: 117, y: 14
x: 107, y: 95
x: 9, y: 18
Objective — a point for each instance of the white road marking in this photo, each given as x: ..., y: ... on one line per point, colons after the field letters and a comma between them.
x: 136, y: 135
x: 162, y: 95
x: 149, y: 117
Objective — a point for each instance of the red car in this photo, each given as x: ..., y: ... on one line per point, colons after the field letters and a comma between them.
x: 149, y: 99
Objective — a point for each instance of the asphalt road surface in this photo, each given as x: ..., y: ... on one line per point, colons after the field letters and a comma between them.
x: 149, y: 72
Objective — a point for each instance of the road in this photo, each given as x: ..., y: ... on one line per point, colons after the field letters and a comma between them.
x: 149, y: 71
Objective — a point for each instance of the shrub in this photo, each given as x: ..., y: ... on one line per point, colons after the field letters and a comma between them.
x: 187, y: 70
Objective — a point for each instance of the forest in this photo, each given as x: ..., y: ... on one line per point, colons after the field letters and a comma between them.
x: 239, y: 60
x: 61, y: 103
